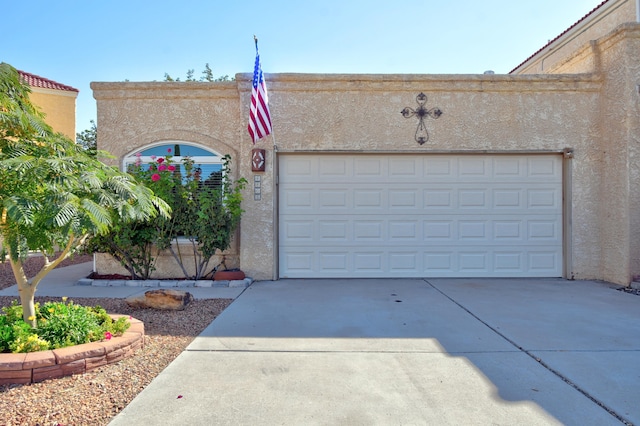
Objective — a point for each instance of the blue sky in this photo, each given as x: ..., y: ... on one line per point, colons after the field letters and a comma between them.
x: 77, y: 42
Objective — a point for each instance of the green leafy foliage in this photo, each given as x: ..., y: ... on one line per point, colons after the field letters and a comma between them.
x: 206, y: 214
x: 53, y: 192
x: 59, y: 324
x: 207, y: 75
x: 88, y: 139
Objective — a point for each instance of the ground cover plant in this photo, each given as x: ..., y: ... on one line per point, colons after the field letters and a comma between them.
x: 58, y: 324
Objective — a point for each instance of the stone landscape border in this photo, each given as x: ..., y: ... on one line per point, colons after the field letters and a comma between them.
x: 33, y: 367
x: 166, y: 283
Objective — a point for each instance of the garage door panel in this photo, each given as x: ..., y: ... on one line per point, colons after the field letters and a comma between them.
x: 441, y: 229
x: 333, y: 167
x: 543, y: 198
x: 369, y: 231
x: 420, y: 216
x: 297, y: 263
x: 334, y: 261
x: 476, y: 262
x: 543, y: 261
x: 438, y: 230
x: 333, y: 231
x: 403, y: 261
x: 509, y: 261
x: 334, y: 198
x: 472, y: 230
x: 369, y: 199
x: 404, y: 199
x: 369, y: 261
x: 299, y: 230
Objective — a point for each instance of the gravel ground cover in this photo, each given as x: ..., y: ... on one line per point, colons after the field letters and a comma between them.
x: 96, y: 397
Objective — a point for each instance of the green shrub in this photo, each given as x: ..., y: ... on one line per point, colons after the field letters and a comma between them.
x: 6, y: 334
x: 60, y: 324
x: 26, y: 340
x: 206, y: 213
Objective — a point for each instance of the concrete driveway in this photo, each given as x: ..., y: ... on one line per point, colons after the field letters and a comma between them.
x: 408, y: 351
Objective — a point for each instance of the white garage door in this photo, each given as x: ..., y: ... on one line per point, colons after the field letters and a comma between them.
x: 363, y: 216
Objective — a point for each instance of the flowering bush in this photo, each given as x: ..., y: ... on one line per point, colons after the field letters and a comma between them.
x: 205, y: 214
x: 59, y: 324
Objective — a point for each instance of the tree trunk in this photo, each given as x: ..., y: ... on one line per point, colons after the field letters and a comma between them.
x: 27, y: 296
x: 27, y: 293
x: 27, y: 287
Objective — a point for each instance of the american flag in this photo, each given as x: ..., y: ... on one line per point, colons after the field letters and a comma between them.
x: 259, y: 116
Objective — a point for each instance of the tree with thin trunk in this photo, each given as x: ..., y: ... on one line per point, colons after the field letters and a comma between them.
x: 53, y: 194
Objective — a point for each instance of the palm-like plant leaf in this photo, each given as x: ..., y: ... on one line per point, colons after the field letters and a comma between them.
x: 20, y: 210
x: 98, y: 215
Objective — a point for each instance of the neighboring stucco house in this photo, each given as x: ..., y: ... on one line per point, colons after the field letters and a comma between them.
x: 531, y: 174
x: 57, y: 101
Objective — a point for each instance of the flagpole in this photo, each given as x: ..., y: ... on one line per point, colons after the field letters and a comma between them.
x: 276, y: 230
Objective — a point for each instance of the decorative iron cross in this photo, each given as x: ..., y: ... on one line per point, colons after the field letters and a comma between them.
x: 421, y: 132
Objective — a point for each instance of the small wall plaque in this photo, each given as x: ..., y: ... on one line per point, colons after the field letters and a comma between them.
x: 258, y: 160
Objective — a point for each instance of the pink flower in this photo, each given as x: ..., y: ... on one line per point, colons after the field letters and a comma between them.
x: 107, y: 335
x: 155, y: 177
x: 171, y: 168
x: 153, y: 157
x: 169, y: 150
x: 138, y: 154
x: 162, y: 167
x: 160, y: 160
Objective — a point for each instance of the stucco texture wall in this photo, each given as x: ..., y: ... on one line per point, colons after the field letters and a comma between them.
x: 620, y: 128
x: 569, y: 49
x: 361, y: 113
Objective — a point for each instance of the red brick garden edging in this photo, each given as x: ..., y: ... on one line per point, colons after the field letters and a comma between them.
x: 35, y: 367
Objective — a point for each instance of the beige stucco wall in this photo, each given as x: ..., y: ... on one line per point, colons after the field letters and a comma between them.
x: 620, y: 124
x: 59, y: 108
x: 594, y: 114
x: 569, y: 48
x: 361, y: 113
x: 614, y: 57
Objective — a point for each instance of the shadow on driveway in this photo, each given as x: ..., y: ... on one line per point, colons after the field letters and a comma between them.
x: 434, y: 351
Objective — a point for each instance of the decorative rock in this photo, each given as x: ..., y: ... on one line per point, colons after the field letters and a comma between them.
x: 166, y: 299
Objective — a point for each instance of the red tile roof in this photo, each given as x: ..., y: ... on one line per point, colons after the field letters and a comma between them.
x: 37, y: 81
x: 563, y: 33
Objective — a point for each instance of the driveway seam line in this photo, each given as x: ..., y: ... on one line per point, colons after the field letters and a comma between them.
x: 346, y: 351
x: 535, y: 358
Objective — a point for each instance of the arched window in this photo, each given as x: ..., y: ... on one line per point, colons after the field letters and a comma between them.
x: 206, y: 163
